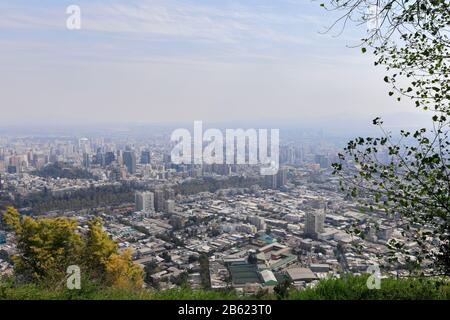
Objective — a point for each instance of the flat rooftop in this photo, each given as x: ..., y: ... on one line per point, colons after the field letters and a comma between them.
x: 244, y: 273
x: 301, y: 274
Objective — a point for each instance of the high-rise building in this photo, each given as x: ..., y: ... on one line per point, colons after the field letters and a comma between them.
x: 144, y: 201
x: 109, y: 158
x: 314, y: 223
x: 38, y: 161
x: 271, y: 181
x: 86, y: 161
x: 277, y: 180
x: 129, y: 160
x: 119, y: 157
x: 145, y: 157
x: 100, y: 159
x: 84, y: 145
x: 169, y: 206
x: 258, y: 222
x: 281, y: 177
x: 159, y: 200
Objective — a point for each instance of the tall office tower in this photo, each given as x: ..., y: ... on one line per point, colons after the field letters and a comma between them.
x: 277, y: 180
x: 271, y: 181
x: 29, y: 157
x: 145, y: 157
x: 84, y: 145
x: 281, y: 177
x: 99, y: 157
x: 109, y: 158
x: 314, y: 223
x: 159, y: 200
x: 129, y: 160
x: 86, y: 161
x: 144, y: 201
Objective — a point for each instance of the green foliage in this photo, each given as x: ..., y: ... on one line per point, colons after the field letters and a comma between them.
x: 212, y: 185
x: 204, y: 271
x: 46, y: 247
x: 104, y: 263
x: 412, y: 40
x: 355, y: 288
x: 282, y: 289
x: 80, y: 199
x: 62, y: 170
x: 348, y: 288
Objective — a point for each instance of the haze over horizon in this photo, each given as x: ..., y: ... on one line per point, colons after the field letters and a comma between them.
x: 180, y: 61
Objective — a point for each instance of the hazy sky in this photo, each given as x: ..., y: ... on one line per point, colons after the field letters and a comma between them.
x: 165, y: 61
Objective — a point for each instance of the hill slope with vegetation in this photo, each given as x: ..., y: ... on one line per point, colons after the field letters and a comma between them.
x: 348, y: 288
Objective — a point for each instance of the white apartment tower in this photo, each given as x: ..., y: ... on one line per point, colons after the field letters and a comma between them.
x: 314, y: 223
x: 144, y: 201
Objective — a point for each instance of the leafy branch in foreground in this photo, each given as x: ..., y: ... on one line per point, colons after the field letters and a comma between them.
x: 412, y: 40
x: 410, y: 182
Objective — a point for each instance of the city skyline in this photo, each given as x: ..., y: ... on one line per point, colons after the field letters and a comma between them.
x: 225, y: 149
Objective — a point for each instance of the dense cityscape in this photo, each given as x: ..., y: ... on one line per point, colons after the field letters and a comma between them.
x: 225, y: 158
x: 203, y: 226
